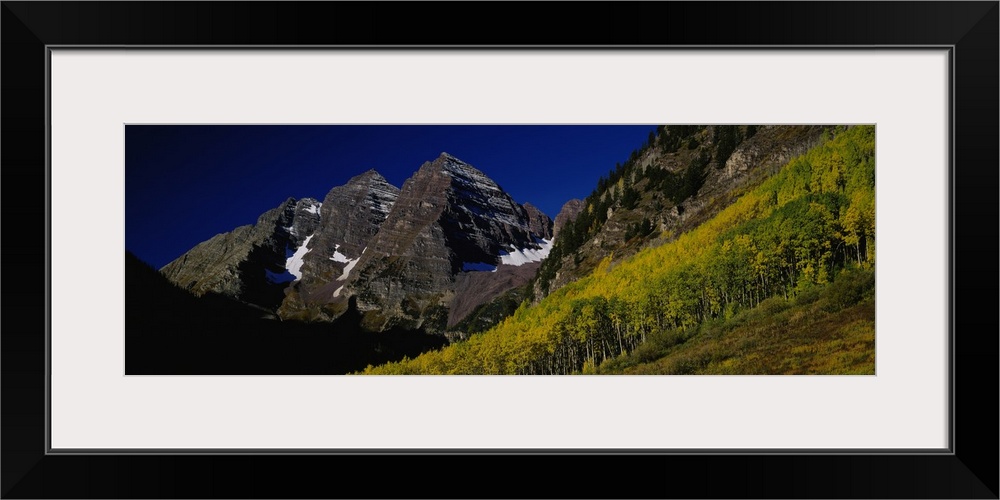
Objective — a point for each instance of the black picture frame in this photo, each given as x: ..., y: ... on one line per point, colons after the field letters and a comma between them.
x: 970, y: 29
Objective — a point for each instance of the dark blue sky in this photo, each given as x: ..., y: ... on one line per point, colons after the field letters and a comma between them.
x: 187, y: 183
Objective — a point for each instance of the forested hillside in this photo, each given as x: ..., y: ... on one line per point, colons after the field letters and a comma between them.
x: 680, y: 177
x: 799, y: 250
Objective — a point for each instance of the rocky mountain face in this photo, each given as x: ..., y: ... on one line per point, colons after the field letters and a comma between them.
x: 351, y: 216
x: 482, y: 301
x: 451, y: 244
x: 538, y: 223
x: 304, y: 222
x: 450, y: 218
x: 247, y: 263
x: 567, y: 214
x: 416, y: 257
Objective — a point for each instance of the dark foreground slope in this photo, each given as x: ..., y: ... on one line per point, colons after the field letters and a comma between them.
x: 168, y: 331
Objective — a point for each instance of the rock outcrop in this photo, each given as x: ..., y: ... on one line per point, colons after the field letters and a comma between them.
x: 450, y: 218
x: 304, y: 222
x: 247, y: 263
x: 351, y: 216
x: 567, y: 214
x: 400, y: 254
x: 538, y: 223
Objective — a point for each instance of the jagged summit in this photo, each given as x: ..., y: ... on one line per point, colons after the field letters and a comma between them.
x: 477, y: 194
x: 246, y: 262
x: 461, y: 170
x: 352, y: 215
x: 380, y: 195
x: 539, y: 224
x: 448, y: 156
x: 396, y: 252
x: 448, y: 216
x: 368, y: 176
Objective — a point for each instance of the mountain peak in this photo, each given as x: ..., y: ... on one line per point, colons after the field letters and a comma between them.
x: 570, y: 210
x: 244, y: 262
x: 368, y: 177
x: 539, y: 224
x: 397, y: 252
x: 454, y: 165
x: 464, y: 173
x: 450, y: 219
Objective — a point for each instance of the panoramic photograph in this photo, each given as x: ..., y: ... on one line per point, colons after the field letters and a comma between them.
x: 499, y: 249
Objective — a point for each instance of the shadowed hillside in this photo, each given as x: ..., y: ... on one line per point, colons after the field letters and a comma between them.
x: 168, y: 331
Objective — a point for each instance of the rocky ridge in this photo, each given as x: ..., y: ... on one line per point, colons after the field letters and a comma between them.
x: 351, y: 216
x: 416, y: 257
x: 567, y: 214
x: 449, y: 218
x: 247, y: 263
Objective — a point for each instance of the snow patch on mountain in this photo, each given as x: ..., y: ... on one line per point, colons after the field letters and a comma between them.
x: 347, y: 269
x: 294, y: 263
x: 519, y: 257
x: 314, y: 209
x: 339, y: 257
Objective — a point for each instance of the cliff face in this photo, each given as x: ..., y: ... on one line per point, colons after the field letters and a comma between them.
x: 247, y: 263
x: 539, y: 224
x: 351, y: 216
x: 567, y: 214
x: 400, y: 254
x: 304, y: 222
x: 450, y: 218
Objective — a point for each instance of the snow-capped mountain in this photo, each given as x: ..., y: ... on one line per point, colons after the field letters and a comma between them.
x: 396, y: 252
x: 448, y: 215
x: 352, y: 214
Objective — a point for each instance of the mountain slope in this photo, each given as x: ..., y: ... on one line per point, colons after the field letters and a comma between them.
x: 808, y: 229
x: 247, y: 263
x: 678, y: 179
x: 352, y: 215
x: 170, y: 331
x: 399, y: 254
x: 449, y: 218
